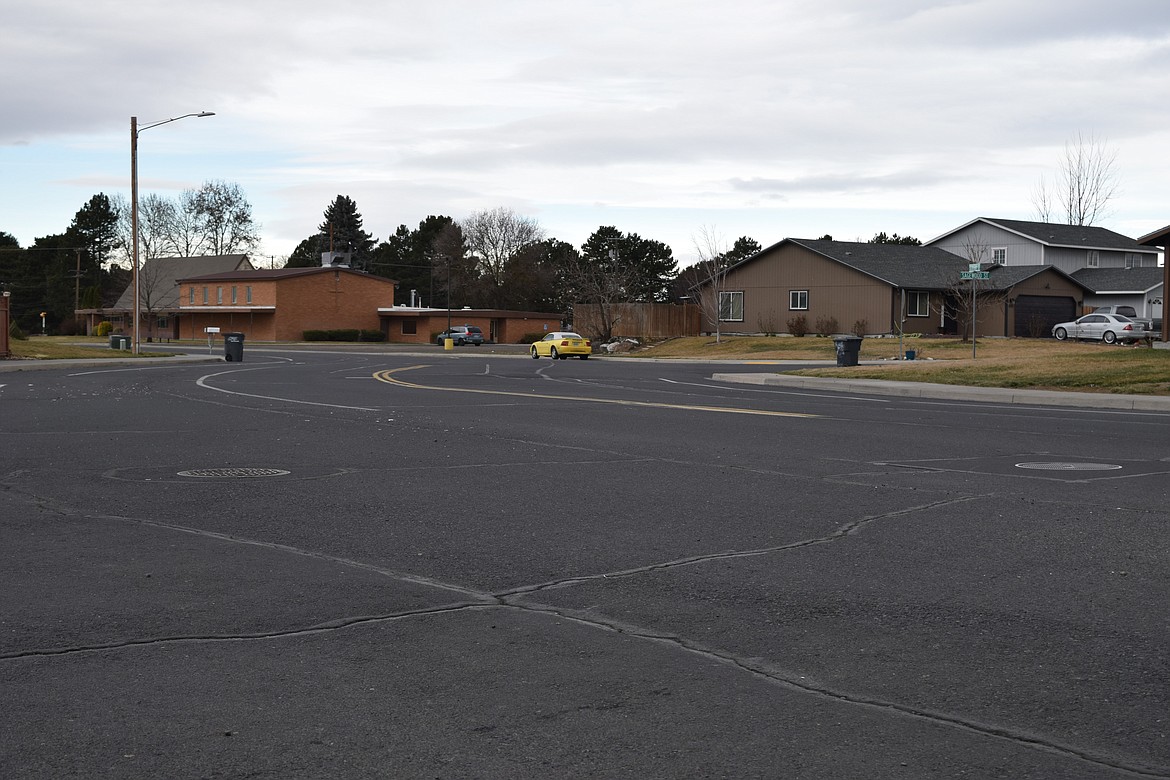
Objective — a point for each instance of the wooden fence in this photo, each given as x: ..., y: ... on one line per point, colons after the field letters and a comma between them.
x: 639, y: 320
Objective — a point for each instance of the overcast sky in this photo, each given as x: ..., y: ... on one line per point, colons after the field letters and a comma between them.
x: 765, y: 118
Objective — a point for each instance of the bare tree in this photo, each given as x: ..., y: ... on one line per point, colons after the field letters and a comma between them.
x: 494, y: 237
x: 710, y: 273
x: 1084, y: 186
x: 603, y: 282
x: 225, y: 216
x: 964, y: 299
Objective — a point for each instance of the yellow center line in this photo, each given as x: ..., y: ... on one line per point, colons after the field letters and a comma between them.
x: 385, y: 376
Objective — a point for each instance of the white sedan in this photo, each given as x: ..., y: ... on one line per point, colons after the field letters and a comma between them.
x: 1109, y: 328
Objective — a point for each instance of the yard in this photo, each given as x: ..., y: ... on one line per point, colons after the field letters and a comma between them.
x: 1042, y: 364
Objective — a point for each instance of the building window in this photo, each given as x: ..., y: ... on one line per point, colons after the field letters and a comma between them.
x: 219, y: 295
x: 204, y: 296
x: 409, y: 327
x: 798, y: 300
x: 248, y: 294
x: 233, y: 294
x: 999, y: 255
x: 1133, y: 260
x: 917, y: 303
x: 731, y: 306
x: 191, y: 290
x: 1094, y: 258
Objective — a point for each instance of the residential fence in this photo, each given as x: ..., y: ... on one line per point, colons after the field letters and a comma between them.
x: 639, y: 320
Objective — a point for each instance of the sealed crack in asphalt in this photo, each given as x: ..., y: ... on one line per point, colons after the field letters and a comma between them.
x: 510, y: 600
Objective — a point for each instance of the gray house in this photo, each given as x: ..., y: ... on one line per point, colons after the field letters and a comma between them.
x: 1012, y: 242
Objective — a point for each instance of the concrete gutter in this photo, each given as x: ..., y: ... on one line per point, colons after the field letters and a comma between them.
x: 998, y: 395
x: 136, y: 362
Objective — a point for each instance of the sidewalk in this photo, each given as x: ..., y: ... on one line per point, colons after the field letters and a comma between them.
x: 138, y: 362
x: 1000, y: 395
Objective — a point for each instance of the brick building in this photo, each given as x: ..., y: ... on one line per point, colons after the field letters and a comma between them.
x: 282, y: 303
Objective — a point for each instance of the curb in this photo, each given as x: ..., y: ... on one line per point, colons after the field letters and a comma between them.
x: 955, y: 392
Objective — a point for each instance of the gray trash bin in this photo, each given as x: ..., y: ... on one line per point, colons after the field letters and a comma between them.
x: 233, y: 347
x: 848, y: 349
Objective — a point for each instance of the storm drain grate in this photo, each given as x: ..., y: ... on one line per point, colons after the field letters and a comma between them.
x: 234, y: 472
x: 1069, y: 466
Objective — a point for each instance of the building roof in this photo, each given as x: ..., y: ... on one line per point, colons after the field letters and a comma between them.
x: 913, y: 267
x: 159, y: 277
x: 1057, y: 235
x: 260, y: 274
x: 1119, y: 280
x: 1157, y: 238
x: 899, y: 265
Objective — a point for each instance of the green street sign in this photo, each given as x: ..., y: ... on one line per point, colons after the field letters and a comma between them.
x: 974, y: 274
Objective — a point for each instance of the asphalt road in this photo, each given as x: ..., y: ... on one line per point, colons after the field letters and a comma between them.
x: 476, y: 565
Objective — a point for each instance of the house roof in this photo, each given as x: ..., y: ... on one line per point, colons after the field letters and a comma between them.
x: 1119, y: 280
x: 1157, y: 238
x: 1056, y: 235
x: 899, y: 265
x: 912, y: 267
x: 162, y: 274
x: 232, y: 275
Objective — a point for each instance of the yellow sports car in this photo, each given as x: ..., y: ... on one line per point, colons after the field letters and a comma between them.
x: 561, y: 344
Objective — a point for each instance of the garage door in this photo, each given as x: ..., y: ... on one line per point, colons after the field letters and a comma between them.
x: 1036, y: 314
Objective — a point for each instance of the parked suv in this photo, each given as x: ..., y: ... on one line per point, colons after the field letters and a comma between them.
x: 461, y: 334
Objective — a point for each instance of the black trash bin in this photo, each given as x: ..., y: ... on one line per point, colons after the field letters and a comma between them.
x: 848, y: 349
x: 233, y: 347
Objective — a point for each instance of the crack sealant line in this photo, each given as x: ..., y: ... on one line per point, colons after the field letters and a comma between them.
x: 841, y: 532
x: 788, y: 681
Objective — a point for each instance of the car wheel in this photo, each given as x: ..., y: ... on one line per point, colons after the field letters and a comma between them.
x: 1060, y: 333
x: 552, y: 353
x: 535, y: 354
x: 1109, y: 337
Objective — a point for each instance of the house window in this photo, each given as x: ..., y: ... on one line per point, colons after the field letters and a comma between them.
x: 798, y: 300
x: 1133, y: 260
x: 219, y: 295
x: 731, y: 306
x: 917, y: 303
x: 409, y: 327
x: 1094, y: 259
x: 204, y: 296
x: 191, y: 290
x: 248, y: 294
x: 999, y: 255
x: 233, y: 294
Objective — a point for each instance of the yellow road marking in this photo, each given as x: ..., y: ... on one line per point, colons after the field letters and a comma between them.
x: 385, y: 376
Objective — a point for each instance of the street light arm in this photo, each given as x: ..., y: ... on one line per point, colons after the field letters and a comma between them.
x: 174, y: 119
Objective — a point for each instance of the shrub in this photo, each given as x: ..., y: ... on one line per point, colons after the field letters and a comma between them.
x: 103, y: 329
x: 368, y: 334
x: 767, y: 325
x: 860, y: 328
x: 344, y: 334
x: 827, y: 326
x: 315, y: 335
x: 798, y: 325
x: 531, y: 338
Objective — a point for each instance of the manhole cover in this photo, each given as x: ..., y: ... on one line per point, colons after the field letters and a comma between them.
x: 1069, y: 466
x: 234, y: 472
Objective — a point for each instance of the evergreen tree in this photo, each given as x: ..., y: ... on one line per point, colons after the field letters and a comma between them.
x: 342, y: 232
x: 645, y: 266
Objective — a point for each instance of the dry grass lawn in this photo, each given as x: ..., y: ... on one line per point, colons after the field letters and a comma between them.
x: 1032, y: 363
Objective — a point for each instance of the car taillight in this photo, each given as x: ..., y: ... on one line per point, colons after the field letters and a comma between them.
x: 1128, y: 327
x: 565, y: 343
x: 588, y: 343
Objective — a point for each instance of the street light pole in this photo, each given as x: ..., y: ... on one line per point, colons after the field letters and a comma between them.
x: 134, y: 131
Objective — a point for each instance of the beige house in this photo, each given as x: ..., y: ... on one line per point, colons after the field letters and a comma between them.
x: 886, y: 289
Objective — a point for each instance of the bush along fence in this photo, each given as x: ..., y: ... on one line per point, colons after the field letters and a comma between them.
x: 344, y: 334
